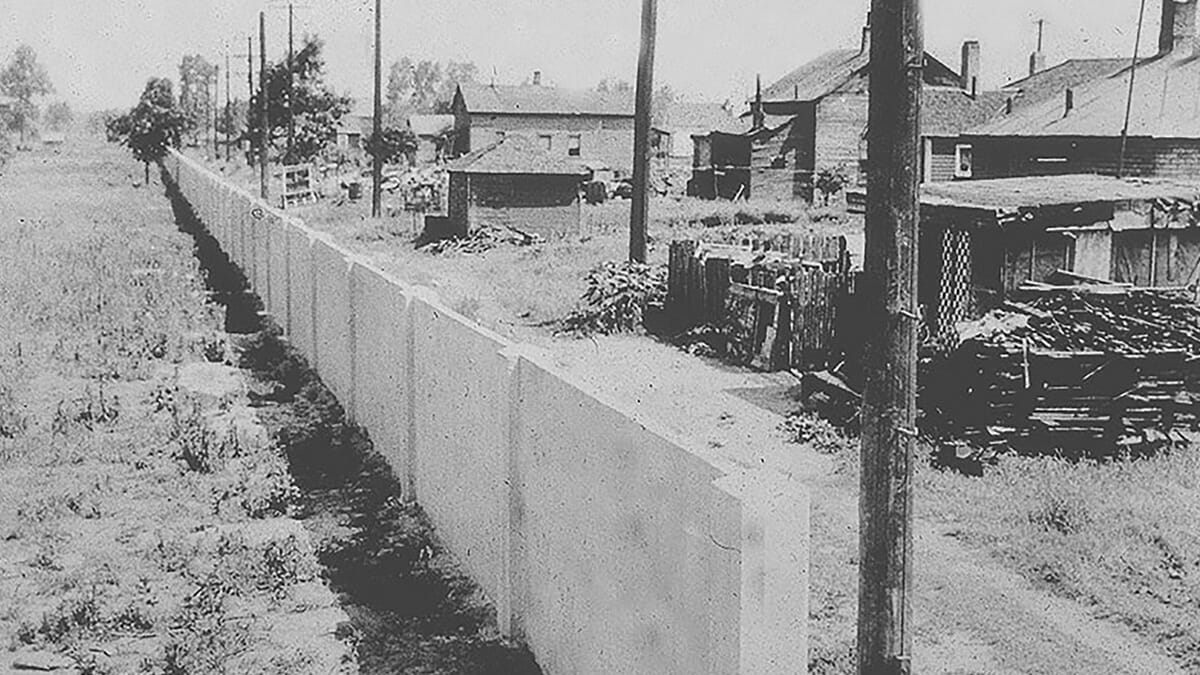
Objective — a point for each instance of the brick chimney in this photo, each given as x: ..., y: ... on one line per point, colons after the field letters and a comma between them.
x: 537, y: 78
x: 1037, y: 60
x: 1178, y: 32
x: 758, y: 116
x: 970, y: 67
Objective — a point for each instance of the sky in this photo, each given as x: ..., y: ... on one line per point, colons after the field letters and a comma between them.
x: 99, y: 53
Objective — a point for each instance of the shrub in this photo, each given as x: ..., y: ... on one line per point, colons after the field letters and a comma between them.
x: 616, y: 298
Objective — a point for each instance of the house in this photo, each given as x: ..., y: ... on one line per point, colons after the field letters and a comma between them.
x: 514, y: 182
x: 1079, y: 130
x: 1052, y: 82
x: 815, y: 119
x: 980, y: 240
x: 434, y: 135
x: 589, y: 125
x: 355, y: 127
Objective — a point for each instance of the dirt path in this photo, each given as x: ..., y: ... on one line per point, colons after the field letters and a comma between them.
x: 974, y: 615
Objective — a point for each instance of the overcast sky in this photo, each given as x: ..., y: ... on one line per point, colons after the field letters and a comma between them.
x: 100, y: 52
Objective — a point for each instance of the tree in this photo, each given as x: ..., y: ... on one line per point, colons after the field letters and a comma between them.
x: 196, y: 79
x: 424, y: 86
x: 398, y: 145
x: 59, y: 115
x: 316, y: 108
x: 153, y: 125
x: 23, y: 79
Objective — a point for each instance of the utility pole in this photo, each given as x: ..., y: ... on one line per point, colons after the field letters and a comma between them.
x: 249, y: 67
x: 216, y: 107
x: 291, y: 87
x: 377, y: 126
x: 889, y: 432
x: 264, y: 135
x: 641, y: 133
x: 228, y: 119
x: 1137, y: 43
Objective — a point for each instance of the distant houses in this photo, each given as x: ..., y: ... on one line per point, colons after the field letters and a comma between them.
x: 592, y: 126
x: 815, y: 119
x: 1078, y: 129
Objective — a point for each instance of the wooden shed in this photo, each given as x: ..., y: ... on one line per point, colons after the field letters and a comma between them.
x: 982, y: 240
x: 514, y: 183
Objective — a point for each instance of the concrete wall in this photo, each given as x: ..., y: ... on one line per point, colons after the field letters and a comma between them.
x: 607, y: 546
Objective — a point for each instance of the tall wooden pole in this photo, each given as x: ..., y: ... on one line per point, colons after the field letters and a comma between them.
x: 228, y: 119
x: 216, y: 110
x: 890, y: 359
x: 377, y: 126
x: 641, y: 133
x: 291, y: 88
x: 249, y: 67
x: 264, y: 131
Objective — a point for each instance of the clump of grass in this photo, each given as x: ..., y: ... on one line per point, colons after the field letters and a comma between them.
x: 12, y: 421
x: 258, y: 486
x: 207, y: 638
x: 810, y: 429
x: 616, y: 299
x: 90, y: 411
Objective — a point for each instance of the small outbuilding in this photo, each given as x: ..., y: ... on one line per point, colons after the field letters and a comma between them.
x: 514, y: 183
x: 980, y: 241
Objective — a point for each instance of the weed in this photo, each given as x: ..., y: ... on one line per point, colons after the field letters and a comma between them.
x: 206, y: 637
x: 12, y: 422
x: 259, y: 486
x: 202, y: 448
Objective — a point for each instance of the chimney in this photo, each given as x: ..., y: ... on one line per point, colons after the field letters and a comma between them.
x: 1037, y: 60
x: 537, y: 78
x: 1070, y: 102
x: 1178, y: 32
x: 970, y: 67
x: 866, y: 36
x: 759, y: 118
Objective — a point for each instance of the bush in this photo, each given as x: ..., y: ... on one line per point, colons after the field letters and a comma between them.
x: 616, y: 298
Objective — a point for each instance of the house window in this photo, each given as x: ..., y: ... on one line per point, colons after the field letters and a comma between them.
x: 964, y: 161
x: 574, y: 144
x: 547, y: 141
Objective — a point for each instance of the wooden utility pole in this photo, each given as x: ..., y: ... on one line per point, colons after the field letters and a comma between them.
x: 264, y: 132
x: 216, y: 109
x: 890, y: 359
x: 377, y: 126
x: 1137, y: 43
x: 228, y: 119
x: 291, y: 87
x: 643, y: 106
x: 249, y: 67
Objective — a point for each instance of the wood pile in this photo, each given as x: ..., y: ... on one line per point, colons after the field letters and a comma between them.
x: 1092, y: 368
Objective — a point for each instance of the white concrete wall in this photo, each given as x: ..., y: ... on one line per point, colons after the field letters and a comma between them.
x: 606, y: 546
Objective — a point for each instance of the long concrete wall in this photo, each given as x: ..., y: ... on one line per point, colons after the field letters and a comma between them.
x: 606, y: 545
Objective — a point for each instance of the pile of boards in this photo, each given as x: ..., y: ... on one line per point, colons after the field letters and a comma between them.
x: 1082, y: 369
x: 777, y: 303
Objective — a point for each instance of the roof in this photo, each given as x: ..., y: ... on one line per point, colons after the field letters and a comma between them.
x: 531, y: 99
x: 686, y: 118
x: 1037, y: 191
x: 1066, y: 75
x: 946, y: 112
x: 430, y: 125
x: 517, y: 154
x: 819, y: 77
x: 1164, y: 105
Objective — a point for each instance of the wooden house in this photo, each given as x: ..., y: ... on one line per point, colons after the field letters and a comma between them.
x: 981, y: 240
x: 815, y: 118
x: 593, y: 126
x: 1079, y: 130
x: 514, y: 183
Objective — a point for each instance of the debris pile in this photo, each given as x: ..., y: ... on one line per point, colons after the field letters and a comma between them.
x: 481, y: 240
x: 1077, y: 369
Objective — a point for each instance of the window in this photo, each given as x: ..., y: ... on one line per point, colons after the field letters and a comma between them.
x: 500, y: 136
x: 574, y: 145
x: 547, y: 141
x: 964, y: 161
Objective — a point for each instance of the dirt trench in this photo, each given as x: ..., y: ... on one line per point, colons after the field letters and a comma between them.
x: 411, y: 608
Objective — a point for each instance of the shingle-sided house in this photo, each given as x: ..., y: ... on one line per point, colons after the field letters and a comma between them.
x: 1079, y: 130
x: 514, y: 182
x: 596, y: 127
x: 815, y: 118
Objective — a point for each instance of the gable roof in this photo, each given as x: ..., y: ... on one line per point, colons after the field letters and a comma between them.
x: 947, y: 112
x: 531, y: 99
x: 517, y: 154
x: 1164, y: 105
x: 830, y: 71
x: 1066, y: 75
x: 430, y: 125
x: 687, y: 118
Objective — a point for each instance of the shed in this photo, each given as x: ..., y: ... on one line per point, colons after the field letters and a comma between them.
x: 981, y: 240
x: 514, y: 183
x: 434, y: 135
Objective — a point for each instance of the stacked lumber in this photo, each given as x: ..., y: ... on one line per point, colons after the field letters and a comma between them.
x: 1075, y: 369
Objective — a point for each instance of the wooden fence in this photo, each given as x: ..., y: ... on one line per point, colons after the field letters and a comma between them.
x: 778, y: 302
